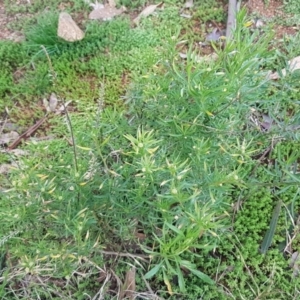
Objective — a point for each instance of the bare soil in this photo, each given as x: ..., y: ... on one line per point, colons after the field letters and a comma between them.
x: 268, y: 11
x: 5, y: 20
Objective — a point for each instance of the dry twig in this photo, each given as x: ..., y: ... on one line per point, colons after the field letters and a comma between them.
x: 29, y: 132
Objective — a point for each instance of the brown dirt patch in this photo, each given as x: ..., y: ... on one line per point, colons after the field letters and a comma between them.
x: 5, y: 33
x: 272, y: 9
x: 5, y: 19
x: 268, y: 11
x: 281, y: 31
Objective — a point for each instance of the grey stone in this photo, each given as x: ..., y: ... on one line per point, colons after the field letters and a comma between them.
x: 106, y: 12
x: 68, y: 29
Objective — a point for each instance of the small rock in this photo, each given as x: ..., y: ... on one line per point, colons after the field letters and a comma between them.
x: 106, y: 12
x: 215, y: 35
x: 6, y: 138
x: 68, y: 29
x: 5, y: 168
x: 259, y: 23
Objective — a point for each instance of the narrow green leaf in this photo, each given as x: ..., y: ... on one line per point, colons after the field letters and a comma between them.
x: 153, y: 271
x: 270, y: 232
x: 202, y: 276
x: 175, y: 229
x: 191, y: 267
x: 169, y: 266
x: 187, y: 264
x: 180, y: 279
x: 167, y: 283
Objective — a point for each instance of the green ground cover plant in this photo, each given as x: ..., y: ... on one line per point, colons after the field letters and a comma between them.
x: 292, y: 6
x: 178, y: 174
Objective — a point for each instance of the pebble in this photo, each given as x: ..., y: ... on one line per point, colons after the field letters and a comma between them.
x: 68, y: 29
